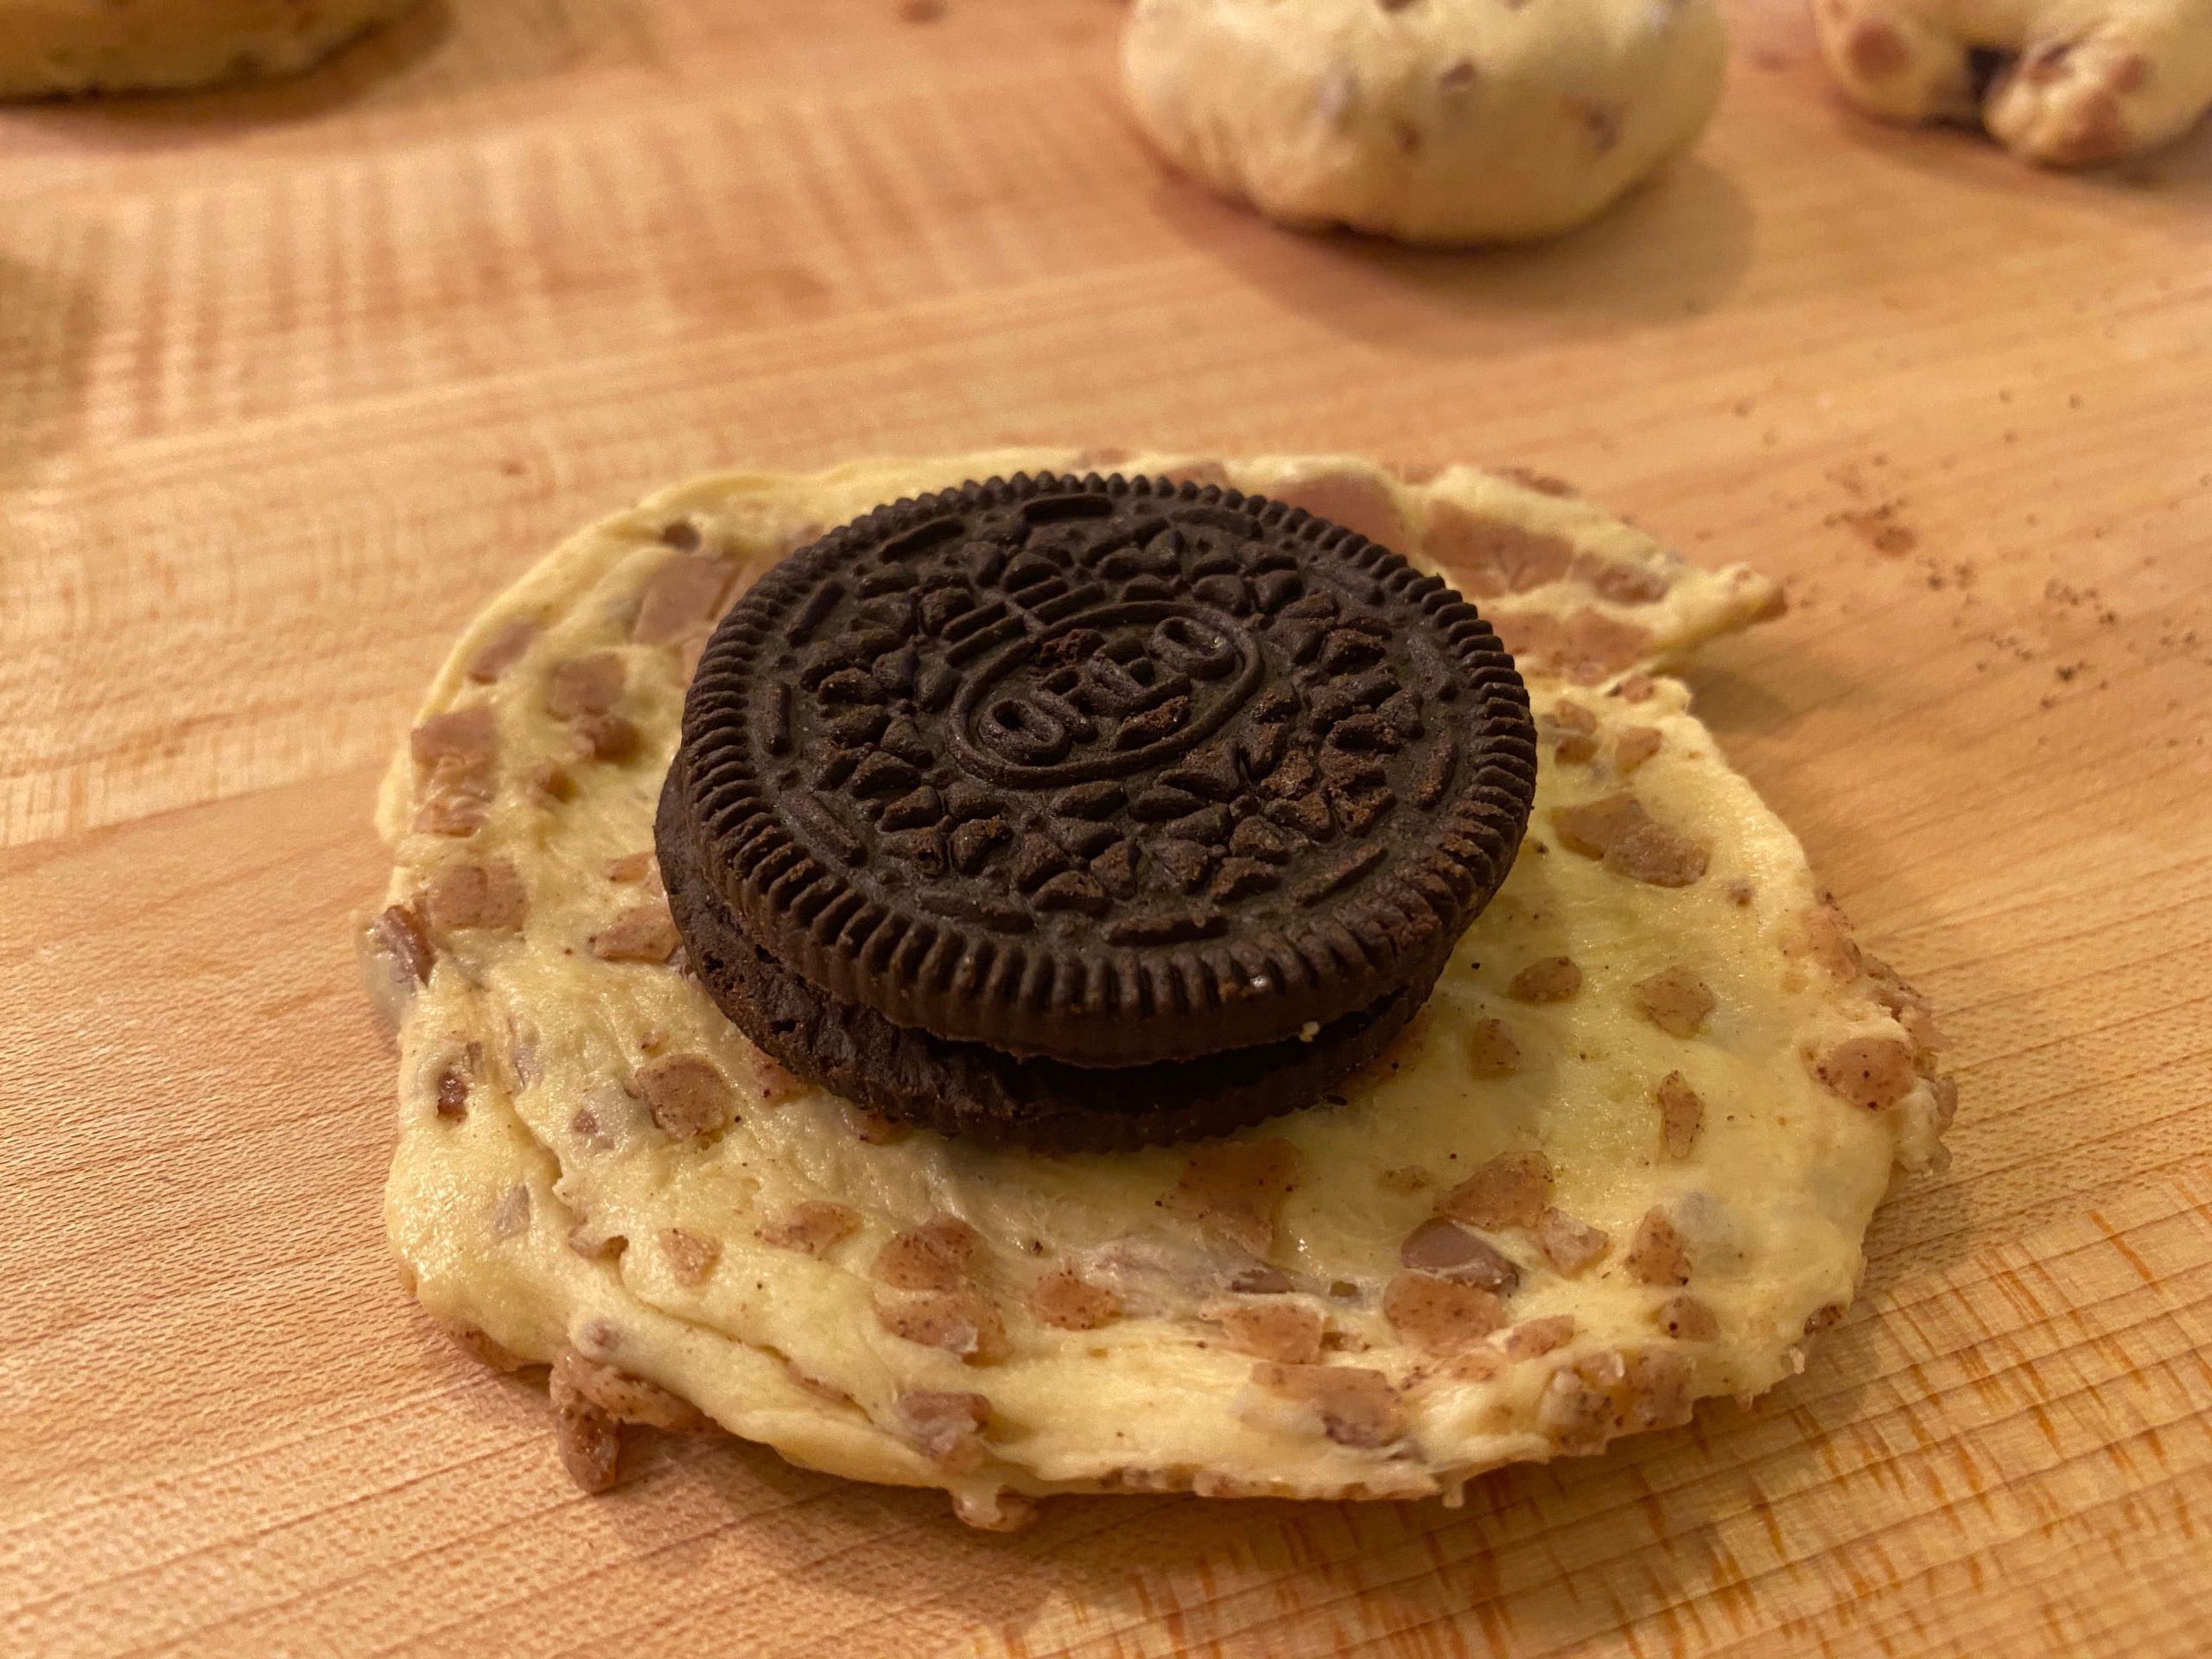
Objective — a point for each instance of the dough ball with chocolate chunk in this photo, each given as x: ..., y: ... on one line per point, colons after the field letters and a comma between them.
x: 50, y: 46
x: 2064, y: 83
x: 1433, y: 121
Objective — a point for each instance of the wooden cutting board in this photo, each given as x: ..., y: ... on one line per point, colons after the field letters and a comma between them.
x: 292, y: 380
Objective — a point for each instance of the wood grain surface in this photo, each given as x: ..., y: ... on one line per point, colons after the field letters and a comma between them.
x: 291, y: 380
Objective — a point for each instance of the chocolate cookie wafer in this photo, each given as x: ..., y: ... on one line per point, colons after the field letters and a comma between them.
x: 1054, y: 777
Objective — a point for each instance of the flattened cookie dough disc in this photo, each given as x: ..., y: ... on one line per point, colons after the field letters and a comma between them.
x: 1445, y: 121
x: 50, y: 46
x: 1624, y: 1157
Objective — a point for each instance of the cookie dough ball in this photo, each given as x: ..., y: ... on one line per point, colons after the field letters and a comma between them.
x: 1435, y: 120
x: 49, y: 47
x: 2062, y: 82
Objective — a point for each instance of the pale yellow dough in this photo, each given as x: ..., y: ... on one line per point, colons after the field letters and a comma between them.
x: 49, y: 47
x: 503, y: 1206
x: 1444, y: 121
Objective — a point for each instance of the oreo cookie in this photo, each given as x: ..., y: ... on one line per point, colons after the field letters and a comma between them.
x: 1089, y: 776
